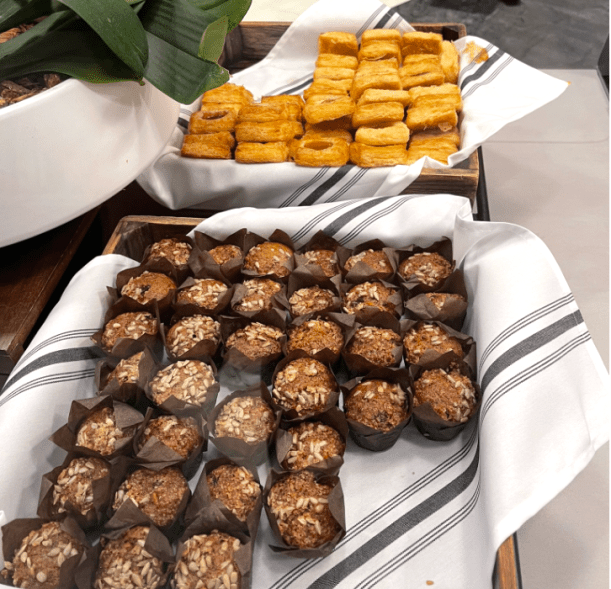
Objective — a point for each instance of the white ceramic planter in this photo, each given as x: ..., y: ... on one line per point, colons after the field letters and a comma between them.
x: 70, y: 148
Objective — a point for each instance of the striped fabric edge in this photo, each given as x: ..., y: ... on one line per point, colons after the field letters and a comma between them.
x: 299, y: 191
x: 485, y: 74
x: 363, y: 525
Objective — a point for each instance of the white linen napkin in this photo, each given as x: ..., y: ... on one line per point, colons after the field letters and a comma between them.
x: 423, y: 510
x: 496, y: 91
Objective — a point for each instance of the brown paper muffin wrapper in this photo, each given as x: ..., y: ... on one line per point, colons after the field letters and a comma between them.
x: 202, y: 349
x: 334, y: 418
x: 252, y: 239
x: 290, y: 416
x: 320, y: 241
x: 177, y: 272
x: 154, y: 454
x: 16, y: 530
x: 429, y: 357
x: 193, y: 309
x: 95, y: 516
x: 175, y: 406
x: 201, y: 499
x: 336, y: 506
x: 127, y: 419
x: 358, y: 364
x: 279, y: 303
x: 324, y: 355
x: 452, y: 313
x: 373, y: 313
x: 202, y: 264
x: 427, y: 421
x: 239, y: 451
x: 129, y: 392
x: 156, y: 544
x: 363, y: 272
x: 371, y: 438
x: 212, y: 518
x: 301, y: 277
x: 126, y: 347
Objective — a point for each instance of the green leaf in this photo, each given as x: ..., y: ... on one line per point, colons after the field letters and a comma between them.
x: 118, y: 26
x: 213, y: 40
x: 17, y: 12
x: 235, y: 10
x: 178, y: 74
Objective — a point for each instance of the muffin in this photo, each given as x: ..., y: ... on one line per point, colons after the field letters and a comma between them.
x: 191, y: 381
x: 450, y: 393
x: 179, y: 434
x: 158, y: 494
x: 380, y: 346
x: 235, y: 487
x: 248, y: 418
x: 257, y: 295
x: 127, y: 370
x: 325, y: 259
x: 375, y: 259
x: 148, y: 287
x: 74, y: 484
x: 189, y: 331
x: 428, y: 268
x: 204, y: 293
x: 300, y: 506
x: 304, y: 385
x: 132, y: 325
x: 124, y: 562
x: 269, y: 257
x: 256, y: 340
x: 313, y: 443
x: 174, y: 250
x: 310, y: 299
x: 42, y: 552
x: 315, y: 335
x: 208, y: 561
x: 428, y: 336
x: 99, y: 432
x: 439, y: 299
x: 378, y: 404
x: 370, y: 295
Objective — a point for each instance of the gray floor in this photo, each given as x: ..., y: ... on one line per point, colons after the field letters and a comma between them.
x: 560, y: 34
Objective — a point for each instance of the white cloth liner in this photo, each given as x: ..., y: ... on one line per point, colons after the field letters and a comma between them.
x: 495, y: 92
x: 422, y: 510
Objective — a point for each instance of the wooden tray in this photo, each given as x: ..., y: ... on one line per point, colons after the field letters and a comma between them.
x: 131, y: 237
x: 250, y: 42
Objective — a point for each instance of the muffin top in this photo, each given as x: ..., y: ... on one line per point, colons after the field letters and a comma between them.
x: 377, y: 403
x: 148, y: 286
x: 269, y: 257
x: 428, y: 267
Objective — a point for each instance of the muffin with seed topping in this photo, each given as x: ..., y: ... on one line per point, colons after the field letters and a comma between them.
x: 370, y: 297
x: 100, y: 433
x: 312, y: 444
x: 222, y: 254
x: 248, y: 418
x: 311, y: 299
x: 206, y: 293
x: 315, y: 336
x: 371, y: 346
x: 376, y: 260
x: 326, y: 260
x: 148, y: 287
x: 235, y: 487
x: 269, y: 257
x: 255, y: 294
x: 181, y: 435
x: 428, y: 268
x: 140, y: 326
x: 195, y: 335
x: 256, y: 341
x: 425, y: 338
x: 127, y: 370
x: 172, y: 249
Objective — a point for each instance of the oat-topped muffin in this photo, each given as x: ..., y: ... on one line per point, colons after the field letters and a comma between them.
x: 178, y: 434
x: 256, y: 340
x: 370, y: 295
x: 208, y: 561
x: 428, y: 336
x: 326, y: 259
x: 235, y: 487
x: 158, y: 494
x: 439, y: 299
x: 174, y: 250
x: 148, y: 286
x: 127, y: 370
x: 128, y: 325
x: 313, y: 442
x: 304, y: 385
x: 124, y: 563
x: 376, y: 344
x: 301, y: 507
x: 74, y: 484
x: 268, y: 257
x: 42, y: 552
x: 223, y: 253
x: 450, y: 393
x: 377, y: 403
x: 315, y: 335
x: 189, y: 331
x: 428, y: 267
x: 99, y: 432
x: 376, y: 259
x: 245, y: 417
x: 310, y: 300
x: 258, y: 294
x: 187, y: 380
x: 204, y: 293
